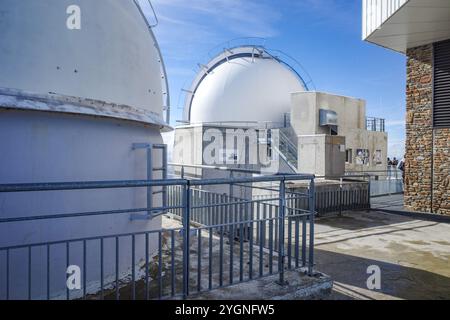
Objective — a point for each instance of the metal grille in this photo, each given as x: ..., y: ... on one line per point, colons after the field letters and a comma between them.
x: 441, y: 105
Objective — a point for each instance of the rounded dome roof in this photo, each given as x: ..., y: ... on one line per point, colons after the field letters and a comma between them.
x: 114, y: 57
x: 243, y: 87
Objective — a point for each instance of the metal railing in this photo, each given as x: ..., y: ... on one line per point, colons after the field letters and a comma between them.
x: 162, y: 263
x: 289, y: 151
x: 383, y: 182
x: 375, y: 124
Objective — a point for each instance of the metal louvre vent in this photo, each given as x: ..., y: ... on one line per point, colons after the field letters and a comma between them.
x: 441, y: 105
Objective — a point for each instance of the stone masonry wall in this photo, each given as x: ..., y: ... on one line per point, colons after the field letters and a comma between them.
x: 419, y: 133
x: 427, y: 161
x: 441, y: 183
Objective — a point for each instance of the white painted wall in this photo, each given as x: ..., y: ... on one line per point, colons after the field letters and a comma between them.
x: 113, y: 58
x: 43, y: 147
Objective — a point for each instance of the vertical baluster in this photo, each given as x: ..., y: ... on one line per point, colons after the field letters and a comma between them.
x: 172, y: 262
x: 199, y: 260
x: 221, y: 257
x: 160, y: 265
x: 147, y: 266
x: 210, y: 257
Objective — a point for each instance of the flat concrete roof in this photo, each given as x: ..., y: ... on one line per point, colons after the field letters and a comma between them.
x: 413, y: 255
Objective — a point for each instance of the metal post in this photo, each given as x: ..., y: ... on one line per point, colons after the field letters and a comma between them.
x: 149, y: 177
x: 149, y: 149
x: 369, y: 206
x: 340, y: 196
x: 312, y: 204
x: 231, y: 184
x: 282, y: 215
x: 186, y: 238
x: 165, y: 176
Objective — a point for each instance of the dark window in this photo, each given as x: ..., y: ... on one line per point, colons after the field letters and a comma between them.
x: 349, y: 156
x: 441, y: 101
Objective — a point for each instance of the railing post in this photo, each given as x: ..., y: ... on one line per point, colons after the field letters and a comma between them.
x: 282, y: 215
x: 186, y: 238
x: 312, y: 209
x: 341, y: 186
x: 165, y: 175
x: 369, y: 204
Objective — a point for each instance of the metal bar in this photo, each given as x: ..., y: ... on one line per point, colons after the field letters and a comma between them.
x: 82, y: 214
x: 221, y: 257
x: 172, y: 262
x: 282, y: 214
x: 277, y: 228
x: 133, y: 267
x: 271, y: 246
x: 250, y: 267
x: 84, y: 269
x: 210, y: 258
x: 102, y: 270
x: 7, y: 274
x: 241, y: 252
x: 304, y: 242
x: 117, y: 269
x: 311, y: 227
x: 231, y: 236
x: 289, y: 243
x: 67, y: 267
x: 29, y: 273
x: 142, y: 183
x: 296, y: 240
x: 186, y: 238
x: 261, y: 245
x: 48, y: 272
x: 199, y: 260
x: 147, y: 262
x: 149, y: 177
x: 65, y: 186
x: 160, y: 263
x: 258, y: 217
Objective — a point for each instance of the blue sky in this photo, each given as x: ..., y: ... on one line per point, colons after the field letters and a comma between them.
x: 323, y: 35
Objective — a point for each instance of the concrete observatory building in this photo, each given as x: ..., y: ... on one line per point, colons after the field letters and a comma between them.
x: 250, y: 86
x: 73, y: 103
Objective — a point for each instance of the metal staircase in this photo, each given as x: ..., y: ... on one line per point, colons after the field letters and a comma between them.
x: 287, y: 151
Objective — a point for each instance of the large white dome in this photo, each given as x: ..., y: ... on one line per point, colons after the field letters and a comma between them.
x: 243, y: 88
x: 113, y: 57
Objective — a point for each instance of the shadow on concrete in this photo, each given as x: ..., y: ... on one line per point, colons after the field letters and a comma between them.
x: 397, y: 281
x: 364, y: 220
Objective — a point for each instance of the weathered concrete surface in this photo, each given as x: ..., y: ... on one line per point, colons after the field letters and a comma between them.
x: 299, y: 286
x: 413, y: 255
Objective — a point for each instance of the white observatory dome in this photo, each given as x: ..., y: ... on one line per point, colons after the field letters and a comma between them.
x: 243, y: 84
x: 78, y: 104
x: 113, y: 57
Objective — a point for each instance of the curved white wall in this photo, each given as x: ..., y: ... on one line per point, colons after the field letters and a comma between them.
x: 245, y: 89
x: 112, y: 58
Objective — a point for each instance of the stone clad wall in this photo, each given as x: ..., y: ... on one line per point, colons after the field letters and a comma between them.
x: 427, y: 161
x: 419, y: 133
x: 441, y: 194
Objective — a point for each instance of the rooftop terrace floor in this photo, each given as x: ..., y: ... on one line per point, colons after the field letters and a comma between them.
x: 413, y: 255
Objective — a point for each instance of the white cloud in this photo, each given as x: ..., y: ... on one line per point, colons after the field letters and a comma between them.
x: 245, y: 18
